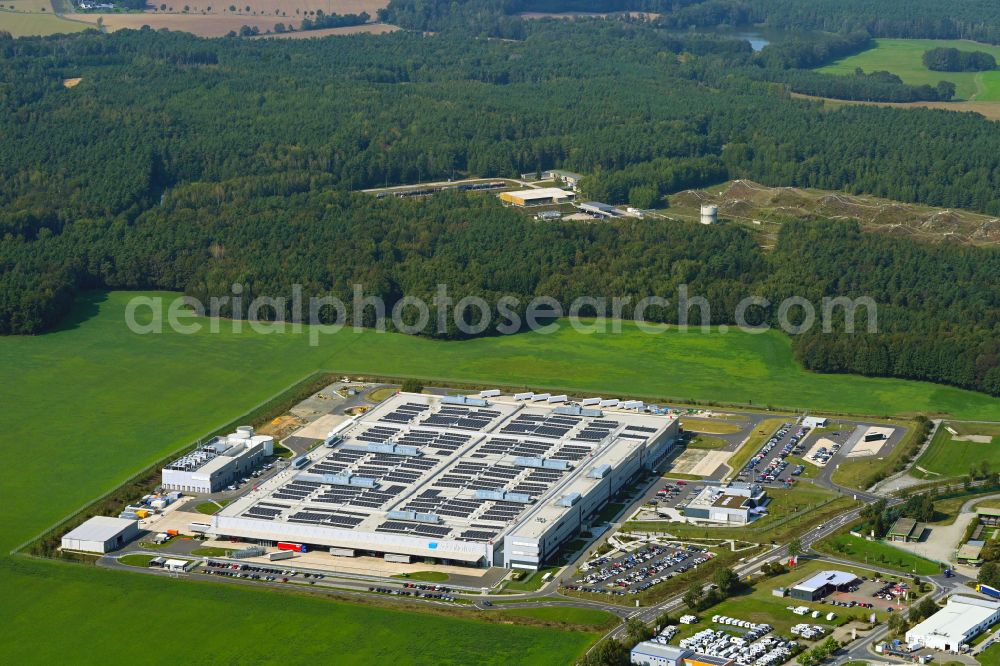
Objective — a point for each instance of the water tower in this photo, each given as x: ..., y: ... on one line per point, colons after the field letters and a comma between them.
x: 709, y: 214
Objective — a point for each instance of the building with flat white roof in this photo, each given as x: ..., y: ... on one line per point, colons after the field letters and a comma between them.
x: 101, y: 534
x: 736, y: 503
x: 821, y: 584
x: 224, y: 460
x: 651, y: 653
x: 961, y: 620
x: 477, y: 481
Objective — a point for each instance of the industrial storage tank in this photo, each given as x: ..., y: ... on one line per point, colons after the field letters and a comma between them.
x: 709, y: 214
x: 267, y: 441
x: 245, y: 431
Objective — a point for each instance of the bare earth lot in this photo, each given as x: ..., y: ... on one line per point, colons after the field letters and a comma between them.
x: 368, y: 28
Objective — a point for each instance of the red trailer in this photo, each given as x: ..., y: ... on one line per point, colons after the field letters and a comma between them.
x: 297, y: 547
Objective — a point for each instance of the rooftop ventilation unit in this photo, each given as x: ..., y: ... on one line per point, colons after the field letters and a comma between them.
x: 587, y: 402
x: 413, y: 516
x: 300, y: 462
x: 558, y: 398
x: 611, y: 402
x: 568, y: 500
x: 349, y: 480
x: 491, y: 393
x: 541, y: 396
x: 543, y: 463
x: 524, y: 396
x: 462, y: 400
x: 632, y: 404
x: 599, y: 472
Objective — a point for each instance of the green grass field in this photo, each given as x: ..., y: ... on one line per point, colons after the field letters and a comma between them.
x: 87, y: 603
x: 137, y: 398
x: 582, y: 617
x: 23, y: 24
x: 136, y: 559
x: 946, y: 457
x: 879, y: 554
x: 903, y: 58
x: 706, y: 442
x: 425, y: 576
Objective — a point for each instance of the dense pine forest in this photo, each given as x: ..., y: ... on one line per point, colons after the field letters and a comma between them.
x: 189, y: 164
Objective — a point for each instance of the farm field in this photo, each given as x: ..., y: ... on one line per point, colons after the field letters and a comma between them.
x: 26, y: 23
x: 879, y: 554
x: 140, y: 397
x: 948, y: 455
x: 903, y: 58
x: 286, y: 627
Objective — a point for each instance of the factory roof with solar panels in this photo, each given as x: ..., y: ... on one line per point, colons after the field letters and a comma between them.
x: 450, y: 477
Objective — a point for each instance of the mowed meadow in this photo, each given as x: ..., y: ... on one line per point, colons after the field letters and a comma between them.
x: 92, y: 403
x: 904, y: 57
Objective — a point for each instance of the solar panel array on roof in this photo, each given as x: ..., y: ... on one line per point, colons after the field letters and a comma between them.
x: 477, y: 535
x: 554, y: 426
x: 640, y: 428
x: 416, y: 529
x: 572, y: 452
x: 405, y: 413
x: 461, y: 417
x: 377, y: 434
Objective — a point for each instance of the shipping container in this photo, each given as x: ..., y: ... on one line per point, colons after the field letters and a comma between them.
x: 297, y: 547
x: 343, y: 552
x: 281, y: 555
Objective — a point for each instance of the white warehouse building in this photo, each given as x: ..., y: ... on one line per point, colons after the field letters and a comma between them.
x: 961, y: 620
x: 460, y: 480
x: 212, y: 467
x: 101, y: 534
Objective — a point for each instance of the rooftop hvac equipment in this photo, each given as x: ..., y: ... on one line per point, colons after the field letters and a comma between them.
x: 557, y: 398
x: 599, y: 472
x: 568, y: 500
x: 541, y: 396
x: 384, y: 447
x: 524, y: 396
x: 349, y: 480
x: 243, y: 553
x: 333, y: 440
x: 463, y: 400
x: 300, y: 462
x: 490, y: 393
x: 413, y: 516
x: 570, y: 410
x: 587, y: 402
x: 632, y: 404
x: 591, y: 412
x: 387, y: 447
x: 246, y: 432
x: 546, y: 463
x: 611, y: 402
x: 498, y: 495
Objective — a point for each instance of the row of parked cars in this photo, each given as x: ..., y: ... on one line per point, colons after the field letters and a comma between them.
x: 255, y: 474
x: 761, y: 651
x: 255, y: 572
x: 411, y: 593
x: 640, y: 570
x: 428, y: 588
x: 824, y: 454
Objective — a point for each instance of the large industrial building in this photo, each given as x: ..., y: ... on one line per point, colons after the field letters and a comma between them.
x: 822, y: 584
x: 221, y: 462
x: 961, y: 620
x: 537, y: 197
x: 101, y: 534
x: 493, y: 480
x: 737, y: 503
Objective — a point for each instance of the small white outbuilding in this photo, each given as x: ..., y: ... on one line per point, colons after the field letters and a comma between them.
x: 101, y: 534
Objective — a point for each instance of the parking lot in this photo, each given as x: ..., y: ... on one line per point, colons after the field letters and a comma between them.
x: 875, y: 594
x: 768, y: 466
x: 635, y: 572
